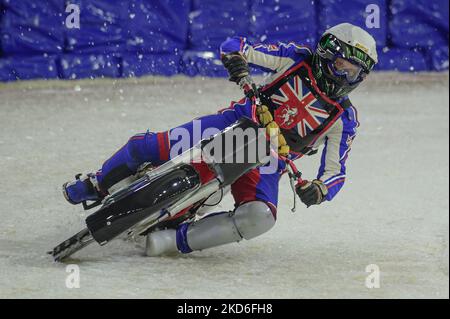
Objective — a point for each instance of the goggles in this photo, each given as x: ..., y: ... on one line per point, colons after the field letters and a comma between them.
x: 345, y: 62
x: 343, y: 68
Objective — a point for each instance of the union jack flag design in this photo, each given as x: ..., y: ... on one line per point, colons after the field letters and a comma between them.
x: 298, y: 108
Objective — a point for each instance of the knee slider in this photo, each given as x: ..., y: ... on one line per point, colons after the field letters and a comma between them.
x: 253, y: 219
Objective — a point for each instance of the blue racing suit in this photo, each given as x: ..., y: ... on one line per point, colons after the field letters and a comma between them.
x: 281, y: 61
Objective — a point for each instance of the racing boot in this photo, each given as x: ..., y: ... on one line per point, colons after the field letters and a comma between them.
x: 83, y: 188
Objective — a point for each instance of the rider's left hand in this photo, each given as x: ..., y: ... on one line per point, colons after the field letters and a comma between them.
x: 312, y: 193
x: 236, y: 66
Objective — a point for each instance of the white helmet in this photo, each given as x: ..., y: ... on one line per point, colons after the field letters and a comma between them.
x: 350, y: 43
x: 356, y: 37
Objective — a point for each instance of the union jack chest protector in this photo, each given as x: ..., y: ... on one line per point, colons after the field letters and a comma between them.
x: 299, y: 108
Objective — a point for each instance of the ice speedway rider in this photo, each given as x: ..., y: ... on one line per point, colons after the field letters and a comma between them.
x: 305, y: 96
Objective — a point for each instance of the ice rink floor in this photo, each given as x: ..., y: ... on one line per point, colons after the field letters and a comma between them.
x: 393, y: 211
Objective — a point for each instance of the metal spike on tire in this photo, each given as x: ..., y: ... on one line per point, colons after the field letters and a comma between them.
x: 71, y: 245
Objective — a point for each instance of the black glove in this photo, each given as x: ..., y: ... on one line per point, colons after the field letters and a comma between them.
x: 312, y: 193
x: 236, y: 66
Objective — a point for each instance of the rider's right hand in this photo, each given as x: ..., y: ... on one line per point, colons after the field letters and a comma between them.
x: 312, y: 193
x: 236, y: 66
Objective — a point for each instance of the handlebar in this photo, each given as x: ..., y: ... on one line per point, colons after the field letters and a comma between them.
x: 250, y: 89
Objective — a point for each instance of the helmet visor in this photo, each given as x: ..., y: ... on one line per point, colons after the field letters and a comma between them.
x: 331, y: 47
x: 350, y: 71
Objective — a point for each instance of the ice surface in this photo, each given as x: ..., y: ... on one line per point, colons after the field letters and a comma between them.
x: 393, y: 211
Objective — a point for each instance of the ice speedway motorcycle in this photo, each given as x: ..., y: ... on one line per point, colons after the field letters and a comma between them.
x: 170, y: 194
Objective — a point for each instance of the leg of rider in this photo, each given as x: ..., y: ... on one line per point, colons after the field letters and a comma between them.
x: 156, y: 147
x: 151, y: 147
x: 141, y: 148
x: 148, y: 147
x: 256, y: 198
